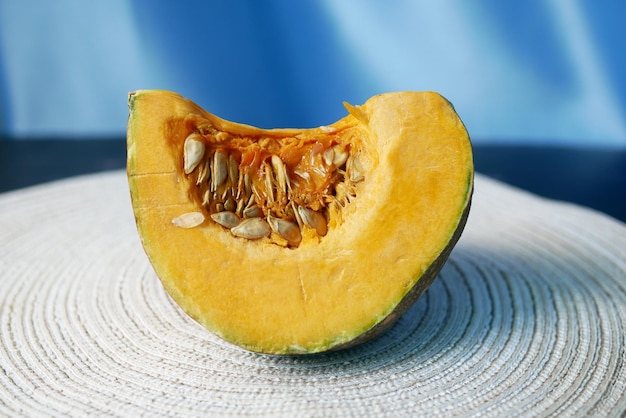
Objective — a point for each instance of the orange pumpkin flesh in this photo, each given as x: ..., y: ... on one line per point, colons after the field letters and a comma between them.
x: 388, y: 232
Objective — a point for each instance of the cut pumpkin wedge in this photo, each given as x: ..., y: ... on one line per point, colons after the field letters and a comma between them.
x: 295, y: 241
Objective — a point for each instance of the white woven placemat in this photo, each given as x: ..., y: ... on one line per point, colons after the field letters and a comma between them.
x: 528, y: 318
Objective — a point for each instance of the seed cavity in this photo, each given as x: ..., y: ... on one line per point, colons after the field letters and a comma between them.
x: 188, y: 220
x: 269, y: 187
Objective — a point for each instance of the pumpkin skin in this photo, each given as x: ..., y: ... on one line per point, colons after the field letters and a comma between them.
x: 377, y: 257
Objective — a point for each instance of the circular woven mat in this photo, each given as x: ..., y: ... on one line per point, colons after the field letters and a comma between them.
x: 527, y: 318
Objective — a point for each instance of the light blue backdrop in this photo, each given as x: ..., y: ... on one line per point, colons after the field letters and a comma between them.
x: 533, y: 71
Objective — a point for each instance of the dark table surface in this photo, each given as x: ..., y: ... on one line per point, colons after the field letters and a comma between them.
x: 595, y: 178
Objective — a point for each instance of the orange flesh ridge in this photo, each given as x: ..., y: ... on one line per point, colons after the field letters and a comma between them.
x: 327, y: 291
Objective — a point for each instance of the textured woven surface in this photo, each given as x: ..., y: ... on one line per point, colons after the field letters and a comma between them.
x: 527, y: 318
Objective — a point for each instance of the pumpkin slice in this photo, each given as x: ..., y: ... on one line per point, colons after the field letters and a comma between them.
x: 291, y: 241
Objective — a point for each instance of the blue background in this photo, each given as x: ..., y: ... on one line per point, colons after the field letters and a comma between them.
x: 532, y: 72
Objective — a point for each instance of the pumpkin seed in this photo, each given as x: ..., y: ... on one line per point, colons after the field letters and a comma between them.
x: 296, y: 214
x: 269, y: 182
x: 252, y: 212
x: 203, y: 173
x: 188, y: 220
x: 355, y: 168
x: 206, y: 198
x: 241, y: 204
x: 313, y: 220
x: 253, y: 228
x: 340, y: 156
x: 219, y: 169
x: 193, y: 152
x: 226, y: 219
x: 230, y: 204
x: 286, y: 229
x: 329, y: 156
x: 233, y: 173
x: 281, y: 173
